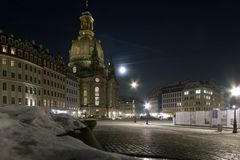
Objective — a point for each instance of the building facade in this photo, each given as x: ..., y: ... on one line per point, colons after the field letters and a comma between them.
x: 172, y: 95
x: 98, y: 84
x: 126, y: 106
x: 193, y: 96
x: 72, y: 95
x: 202, y: 96
x: 30, y: 75
x: 155, y: 98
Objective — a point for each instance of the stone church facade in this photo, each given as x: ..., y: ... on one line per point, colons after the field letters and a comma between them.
x: 98, y: 84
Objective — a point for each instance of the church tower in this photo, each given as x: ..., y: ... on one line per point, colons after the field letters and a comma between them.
x: 80, y: 54
x: 98, y: 88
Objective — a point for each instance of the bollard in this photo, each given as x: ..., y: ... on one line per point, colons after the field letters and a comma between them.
x: 219, y: 127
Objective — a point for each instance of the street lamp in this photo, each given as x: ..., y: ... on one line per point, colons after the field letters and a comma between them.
x: 134, y: 85
x: 147, y: 106
x: 235, y: 92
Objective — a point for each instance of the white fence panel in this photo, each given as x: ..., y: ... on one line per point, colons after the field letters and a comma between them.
x: 183, y: 118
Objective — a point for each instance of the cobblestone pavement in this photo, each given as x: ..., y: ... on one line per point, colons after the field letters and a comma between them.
x: 164, y: 141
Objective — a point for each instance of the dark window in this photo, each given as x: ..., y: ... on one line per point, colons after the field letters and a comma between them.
x: 4, y: 73
x: 19, y: 89
x: 19, y: 76
x: 26, y: 78
x: 26, y: 66
x: 4, y: 86
x: 13, y: 75
x: 4, y: 99
x: 19, y: 65
x: 13, y: 88
x: 13, y: 100
x: 19, y: 100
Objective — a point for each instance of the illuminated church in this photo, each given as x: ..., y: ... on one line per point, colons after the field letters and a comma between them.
x: 97, y: 81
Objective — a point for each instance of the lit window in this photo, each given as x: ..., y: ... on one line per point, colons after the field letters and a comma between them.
x: 198, y: 91
x: 74, y: 69
x: 13, y: 51
x: 44, y: 102
x: 186, y: 93
x: 4, y: 49
x: 85, y: 93
x: 4, y: 61
x: 97, y: 80
x: 12, y: 63
x: 85, y: 98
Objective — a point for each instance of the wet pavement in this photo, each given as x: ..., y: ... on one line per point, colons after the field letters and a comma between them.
x: 162, y: 140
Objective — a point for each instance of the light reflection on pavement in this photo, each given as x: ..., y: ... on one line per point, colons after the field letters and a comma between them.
x: 165, y: 141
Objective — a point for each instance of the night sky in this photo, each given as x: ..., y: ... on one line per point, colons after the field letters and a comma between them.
x: 159, y: 41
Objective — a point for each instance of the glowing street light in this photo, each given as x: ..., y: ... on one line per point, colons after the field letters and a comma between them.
x: 147, y: 107
x: 235, y: 91
x: 134, y: 85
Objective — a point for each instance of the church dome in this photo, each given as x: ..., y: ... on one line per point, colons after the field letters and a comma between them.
x: 82, y: 49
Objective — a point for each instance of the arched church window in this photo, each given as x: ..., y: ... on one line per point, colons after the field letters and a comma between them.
x: 85, y: 97
x: 74, y: 69
x: 97, y: 96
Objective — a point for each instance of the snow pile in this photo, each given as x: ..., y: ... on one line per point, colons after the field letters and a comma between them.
x: 27, y: 133
x: 69, y: 123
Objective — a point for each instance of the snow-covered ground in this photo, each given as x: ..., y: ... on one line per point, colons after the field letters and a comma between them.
x: 27, y: 133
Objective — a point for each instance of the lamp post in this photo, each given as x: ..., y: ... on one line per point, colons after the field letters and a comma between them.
x: 134, y: 85
x: 235, y: 91
x: 147, y: 106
